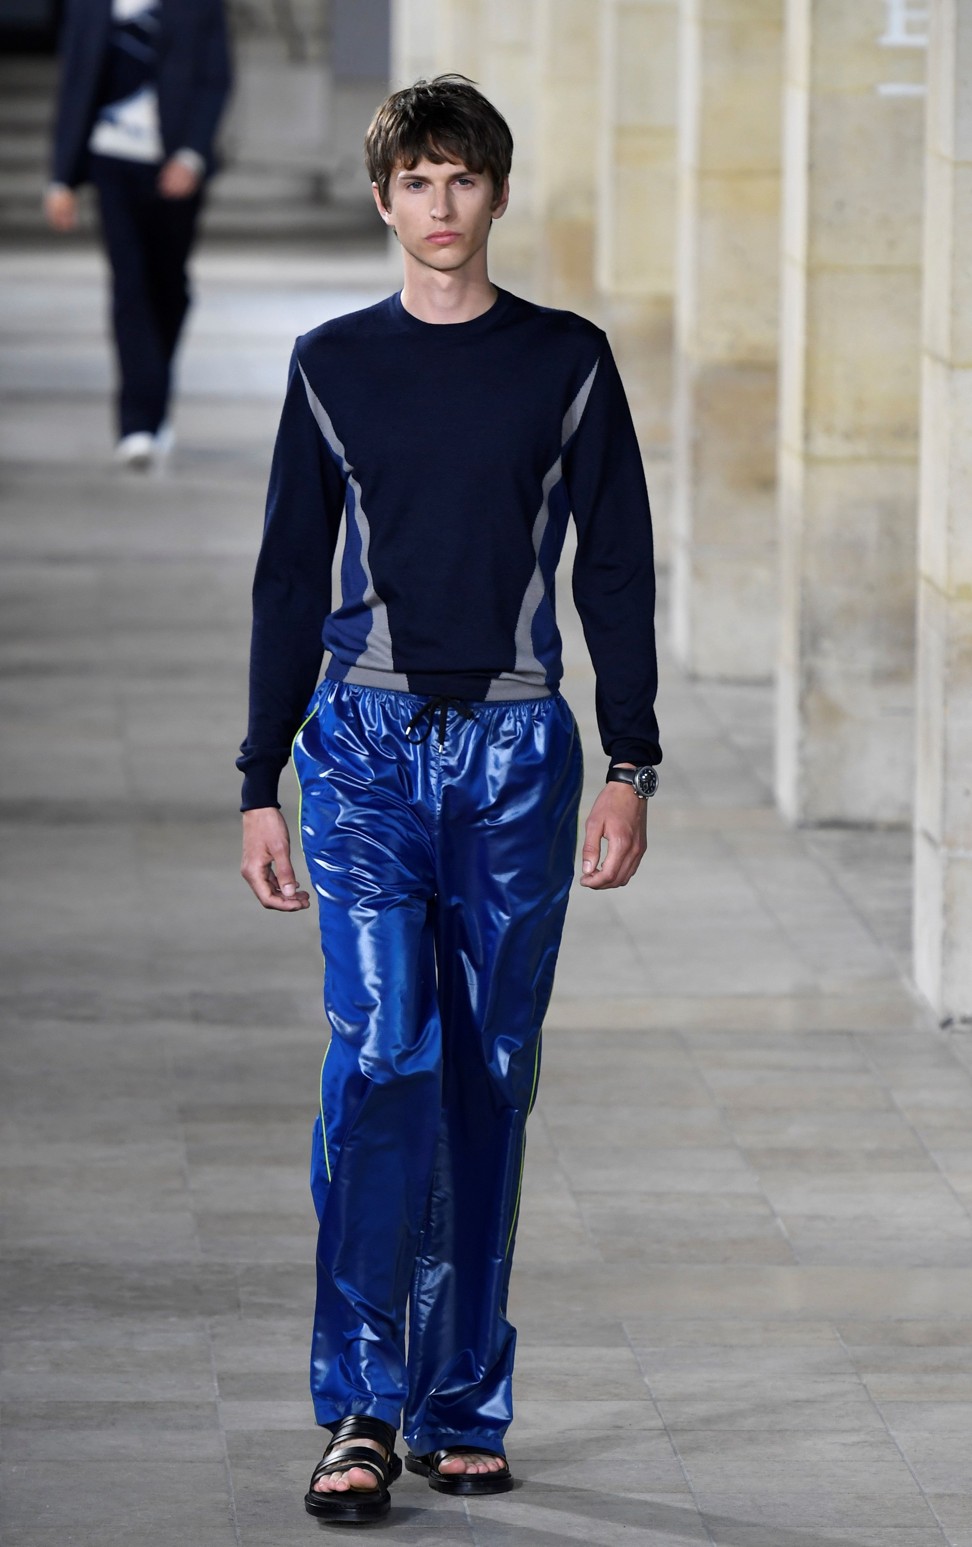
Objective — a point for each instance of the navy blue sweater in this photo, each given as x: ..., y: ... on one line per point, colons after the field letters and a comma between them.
x: 455, y: 453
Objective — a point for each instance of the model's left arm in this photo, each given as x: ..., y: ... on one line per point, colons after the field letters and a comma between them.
x: 614, y: 589
x: 211, y: 80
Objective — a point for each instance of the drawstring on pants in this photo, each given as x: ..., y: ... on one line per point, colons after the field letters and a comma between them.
x: 435, y: 712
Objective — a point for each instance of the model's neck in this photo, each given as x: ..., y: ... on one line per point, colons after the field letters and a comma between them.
x: 459, y: 297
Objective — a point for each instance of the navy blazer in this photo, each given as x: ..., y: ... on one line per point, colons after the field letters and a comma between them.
x: 194, y: 79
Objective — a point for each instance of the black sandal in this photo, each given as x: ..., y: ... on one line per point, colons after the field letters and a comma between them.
x: 356, y: 1505
x: 460, y: 1482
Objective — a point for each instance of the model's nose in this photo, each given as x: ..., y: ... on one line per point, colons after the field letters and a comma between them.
x: 441, y: 204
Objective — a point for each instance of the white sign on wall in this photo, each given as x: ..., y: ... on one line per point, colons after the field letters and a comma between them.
x: 906, y: 26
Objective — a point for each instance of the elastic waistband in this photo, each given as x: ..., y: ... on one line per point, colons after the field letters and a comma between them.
x: 499, y: 695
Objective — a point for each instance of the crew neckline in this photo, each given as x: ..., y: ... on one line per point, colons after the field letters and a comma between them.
x: 473, y: 325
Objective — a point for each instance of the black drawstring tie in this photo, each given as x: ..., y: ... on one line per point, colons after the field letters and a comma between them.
x: 435, y: 712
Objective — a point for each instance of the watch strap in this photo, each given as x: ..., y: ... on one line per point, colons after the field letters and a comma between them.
x: 644, y: 780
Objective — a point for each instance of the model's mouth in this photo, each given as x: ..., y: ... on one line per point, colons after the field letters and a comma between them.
x: 443, y: 237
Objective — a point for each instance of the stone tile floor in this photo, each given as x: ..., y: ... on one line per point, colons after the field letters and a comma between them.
x: 744, y: 1279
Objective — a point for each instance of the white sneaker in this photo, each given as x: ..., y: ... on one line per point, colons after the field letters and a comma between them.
x: 136, y: 451
x: 164, y: 440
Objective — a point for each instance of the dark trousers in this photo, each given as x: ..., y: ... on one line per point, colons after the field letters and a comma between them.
x: 148, y: 240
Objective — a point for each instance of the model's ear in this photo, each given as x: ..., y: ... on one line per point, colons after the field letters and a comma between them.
x: 502, y: 200
x: 380, y: 205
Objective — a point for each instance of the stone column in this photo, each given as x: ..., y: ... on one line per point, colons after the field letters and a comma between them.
x: 849, y: 408
x: 726, y: 337
x: 943, y: 824
x: 460, y: 37
x: 567, y: 42
x: 634, y: 248
x: 509, y: 76
x: 430, y: 37
x: 635, y: 239
x: 414, y: 40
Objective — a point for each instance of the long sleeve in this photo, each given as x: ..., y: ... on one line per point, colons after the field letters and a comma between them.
x: 81, y: 47
x: 291, y: 591
x: 211, y: 84
x: 614, y: 575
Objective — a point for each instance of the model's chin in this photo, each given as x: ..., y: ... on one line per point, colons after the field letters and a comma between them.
x: 443, y: 258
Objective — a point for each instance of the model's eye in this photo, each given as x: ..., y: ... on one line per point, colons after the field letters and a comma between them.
x: 466, y: 182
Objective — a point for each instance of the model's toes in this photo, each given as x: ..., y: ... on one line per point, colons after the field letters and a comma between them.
x: 462, y: 1461
x: 454, y: 1463
x: 357, y: 1477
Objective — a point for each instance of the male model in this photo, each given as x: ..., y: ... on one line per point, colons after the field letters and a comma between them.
x: 143, y: 84
x: 453, y: 429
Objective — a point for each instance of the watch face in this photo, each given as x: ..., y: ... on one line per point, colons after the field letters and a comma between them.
x: 646, y: 781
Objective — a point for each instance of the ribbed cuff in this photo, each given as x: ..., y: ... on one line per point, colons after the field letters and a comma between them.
x: 637, y: 752
x: 260, y: 789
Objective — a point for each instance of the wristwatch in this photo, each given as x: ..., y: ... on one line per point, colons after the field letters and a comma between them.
x: 644, y: 780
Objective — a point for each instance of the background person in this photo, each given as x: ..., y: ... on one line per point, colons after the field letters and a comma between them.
x: 143, y: 84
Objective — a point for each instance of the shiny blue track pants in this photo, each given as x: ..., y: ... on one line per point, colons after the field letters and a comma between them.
x: 442, y: 874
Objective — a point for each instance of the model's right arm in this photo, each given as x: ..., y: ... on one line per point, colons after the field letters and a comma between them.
x: 60, y: 197
x: 291, y: 600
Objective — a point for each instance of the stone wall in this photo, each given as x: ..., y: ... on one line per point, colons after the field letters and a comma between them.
x: 943, y: 809
x: 753, y: 171
x: 849, y: 411
x: 726, y: 330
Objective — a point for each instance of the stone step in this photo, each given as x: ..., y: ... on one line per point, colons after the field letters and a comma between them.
x: 25, y: 220
x: 27, y: 148
x: 22, y: 113
x: 246, y: 186
x: 27, y: 73
x: 18, y: 183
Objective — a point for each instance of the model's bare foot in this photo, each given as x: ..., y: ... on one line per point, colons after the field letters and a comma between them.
x: 459, y: 1461
x: 357, y: 1478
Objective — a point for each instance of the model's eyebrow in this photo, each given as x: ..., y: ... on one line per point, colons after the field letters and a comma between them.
x: 422, y: 177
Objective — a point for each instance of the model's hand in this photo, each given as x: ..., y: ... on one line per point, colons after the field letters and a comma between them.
x: 61, y: 208
x: 266, y: 863
x: 178, y: 181
x: 622, y: 819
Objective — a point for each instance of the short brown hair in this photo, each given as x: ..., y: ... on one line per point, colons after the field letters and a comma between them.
x: 445, y: 119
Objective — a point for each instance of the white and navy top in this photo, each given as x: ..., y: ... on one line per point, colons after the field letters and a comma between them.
x: 127, y: 124
x: 455, y: 453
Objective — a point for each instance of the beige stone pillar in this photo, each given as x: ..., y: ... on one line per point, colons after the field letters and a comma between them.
x: 943, y: 819
x: 567, y: 43
x: 849, y: 408
x: 508, y: 75
x: 635, y: 236
x: 634, y: 248
x: 429, y: 37
x: 461, y: 27
x: 726, y: 337
x: 415, y: 31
